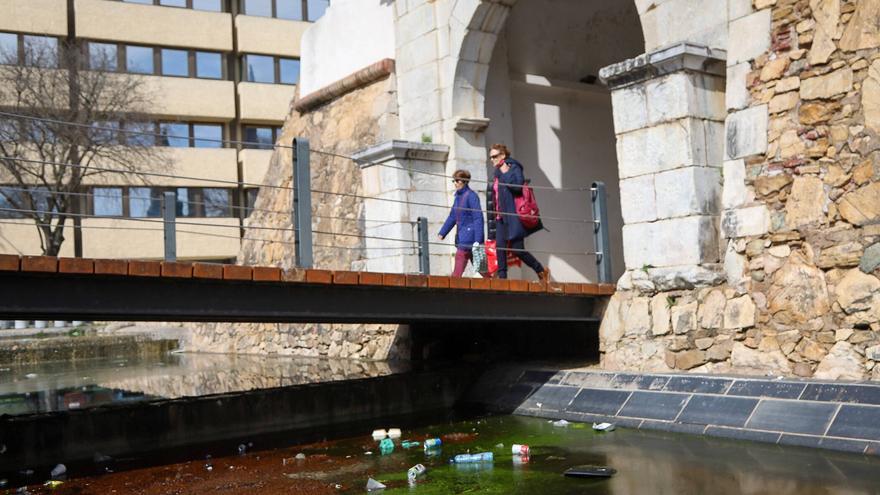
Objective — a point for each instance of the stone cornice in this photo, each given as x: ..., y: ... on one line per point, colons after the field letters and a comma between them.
x: 675, y: 58
x: 397, y: 150
x: 347, y: 84
x: 471, y: 124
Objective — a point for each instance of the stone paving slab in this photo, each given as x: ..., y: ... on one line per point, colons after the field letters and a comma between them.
x: 842, y: 416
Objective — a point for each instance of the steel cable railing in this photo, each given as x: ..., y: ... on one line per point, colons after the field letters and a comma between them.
x: 422, y: 245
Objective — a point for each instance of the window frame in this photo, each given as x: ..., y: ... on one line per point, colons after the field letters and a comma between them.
x: 20, y: 47
x: 195, y: 201
x: 224, y: 5
x: 276, y: 68
x: 122, y: 60
x: 306, y: 17
x: 274, y: 129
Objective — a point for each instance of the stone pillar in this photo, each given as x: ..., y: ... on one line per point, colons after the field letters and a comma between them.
x: 669, y: 116
x: 390, y: 170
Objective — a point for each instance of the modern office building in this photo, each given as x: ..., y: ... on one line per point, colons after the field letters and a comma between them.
x: 219, y: 70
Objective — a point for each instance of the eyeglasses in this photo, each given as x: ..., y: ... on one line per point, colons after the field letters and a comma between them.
x: 456, y: 181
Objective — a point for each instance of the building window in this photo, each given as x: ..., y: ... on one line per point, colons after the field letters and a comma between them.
x: 210, y: 5
x: 173, y: 3
x: 40, y: 51
x: 207, y: 135
x: 143, y: 59
x: 175, y: 135
x: 209, y: 65
x: 10, y: 199
x: 144, y: 202
x: 103, y: 56
x: 107, y: 201
x: 316, y: 8
x: 139, y: 133
x: 267, y: 69
x: 139, y: 59
x: 145, y: 2
x: 295, y: 10
x: 175, y: 62
x: 259, y: 68
x: 216, y: 202
x: 8, y: 48
x: 261, y: 137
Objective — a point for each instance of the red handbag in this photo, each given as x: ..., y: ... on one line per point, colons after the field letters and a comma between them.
x: 492, y: 258
x: 527, y: 207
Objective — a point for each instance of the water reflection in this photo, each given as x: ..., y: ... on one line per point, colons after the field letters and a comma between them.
x: 59, y: 386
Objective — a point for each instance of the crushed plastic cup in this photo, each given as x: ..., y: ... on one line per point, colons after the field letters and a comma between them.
x: 58, y: 470
x: 517, y: 449
x: 415, y: 472
x: 379, y: 434
x: 386, y: 446
x: 603, y: 426
x: 393, y: 433
x: 373, y: 485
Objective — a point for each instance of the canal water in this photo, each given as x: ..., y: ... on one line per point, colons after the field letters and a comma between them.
x: 67, y: 385
x: 646, y: 463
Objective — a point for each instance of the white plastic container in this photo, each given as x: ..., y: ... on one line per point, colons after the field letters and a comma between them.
x: 379, y: 434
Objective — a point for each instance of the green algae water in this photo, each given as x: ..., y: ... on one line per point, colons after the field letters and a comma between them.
x: 646, y: 463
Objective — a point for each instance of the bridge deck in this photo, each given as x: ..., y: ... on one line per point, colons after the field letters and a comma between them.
x: 38, y: 287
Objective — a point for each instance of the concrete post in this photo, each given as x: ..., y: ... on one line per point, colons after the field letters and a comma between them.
x: 413, y: 176
x: 669, y: 113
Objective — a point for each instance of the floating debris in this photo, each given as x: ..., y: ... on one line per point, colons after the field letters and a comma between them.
x: 30, y: 376
x: 58, y: 470
x: 415, y: 472
x: 373, y: 485
x: 408, y: 444
x: 561, y: 423
x: 518, y: 449
x: 53, y: 484
x: 394, y: 433
x: 300, y: 456
x: 590, y: 472
x: 379, y: 434
x: 603, y: 426
x: 386, y: 446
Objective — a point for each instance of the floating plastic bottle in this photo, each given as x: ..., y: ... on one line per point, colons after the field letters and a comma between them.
x: 415, y: 472
x: 471, y: 458
x: 433, y: 443
x: 386, y: 446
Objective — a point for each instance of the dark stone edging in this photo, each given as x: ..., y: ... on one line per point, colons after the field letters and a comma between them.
x: 831, y: 415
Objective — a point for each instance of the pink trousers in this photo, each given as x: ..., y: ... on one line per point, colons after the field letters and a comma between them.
x: 462, y: 256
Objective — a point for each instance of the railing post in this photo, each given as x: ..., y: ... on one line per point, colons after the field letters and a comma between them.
x: 600, y: 231
x: 424, y: 253
x: 170, y: 217
x: 302, y: 203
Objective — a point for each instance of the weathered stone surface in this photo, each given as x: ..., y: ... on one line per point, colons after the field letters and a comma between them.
x: 751, y: 361
x: 704, y: 343
x: 637, y: 320
x: 766, y: 185
x: 841, y: 363
x: 811, y: 350
x: 842, y: 255
x: 684, y: 318
x: 780, y: 251
x: 828, y: 85
x: 873, y: 353
x: 806, y: 203
x: 747, y: 132
x: 685, y: 277
x: 783, y: 102
x: 862, y: 31
x: 836, y: 176
x: 871, y: 97
x: 611, y: 328
x: 720, y: 351
x: 798, y: 292
x: 827, y: 15
x: 859, y: 292
x: 660, y: 315
x: 871, y: 259
x: 788, y: 84
x: 843, y: 334
x: 747, y: 221
x: 740, y: 313
x: 814, y: 113
x: 711, y: 312
x: 690, y: 359
x: 861, y: 206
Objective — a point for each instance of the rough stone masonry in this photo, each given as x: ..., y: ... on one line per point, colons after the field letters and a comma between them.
x: 801, y: 212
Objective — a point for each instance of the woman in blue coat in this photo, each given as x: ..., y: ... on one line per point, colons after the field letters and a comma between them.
x: 509, y: 232
x: 467, y: 218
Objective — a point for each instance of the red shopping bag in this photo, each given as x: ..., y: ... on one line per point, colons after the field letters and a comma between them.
x: 492, y: 258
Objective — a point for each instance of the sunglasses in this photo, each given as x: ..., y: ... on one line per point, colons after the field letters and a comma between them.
x: 496, y: 155
x: 456, y: 181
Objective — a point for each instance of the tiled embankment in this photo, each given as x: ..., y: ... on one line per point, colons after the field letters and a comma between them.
x: 831, y: 415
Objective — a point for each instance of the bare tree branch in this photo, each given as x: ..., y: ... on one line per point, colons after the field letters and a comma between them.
x: 55, y: 89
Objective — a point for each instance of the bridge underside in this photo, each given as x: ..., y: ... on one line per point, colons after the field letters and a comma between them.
x: 59, y: 296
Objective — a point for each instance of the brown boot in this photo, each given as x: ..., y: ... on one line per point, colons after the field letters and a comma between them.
x: 544, y: 276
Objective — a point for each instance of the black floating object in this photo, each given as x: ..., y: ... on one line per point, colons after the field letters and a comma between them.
x: 590, y: 472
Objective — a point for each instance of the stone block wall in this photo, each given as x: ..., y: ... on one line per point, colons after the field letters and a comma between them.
x: 800, y: 219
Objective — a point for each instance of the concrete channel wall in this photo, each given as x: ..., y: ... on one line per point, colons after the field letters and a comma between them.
x: 838, y: 415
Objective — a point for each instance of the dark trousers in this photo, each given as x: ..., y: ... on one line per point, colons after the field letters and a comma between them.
x: 518, y: 246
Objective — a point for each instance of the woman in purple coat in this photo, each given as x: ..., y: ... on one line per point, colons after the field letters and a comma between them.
x: 467, y: 218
